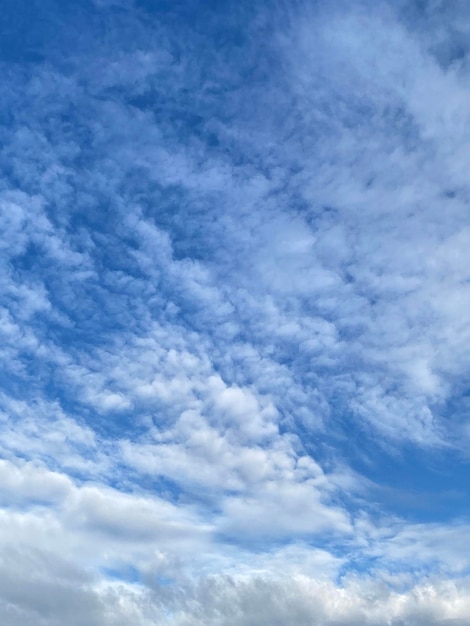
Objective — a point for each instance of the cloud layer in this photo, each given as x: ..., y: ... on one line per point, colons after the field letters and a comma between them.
x: 234, y: 314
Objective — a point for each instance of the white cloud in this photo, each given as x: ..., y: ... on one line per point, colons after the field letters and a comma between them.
x: 218, y: 291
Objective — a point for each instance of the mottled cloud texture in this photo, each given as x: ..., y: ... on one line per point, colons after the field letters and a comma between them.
x: 234, y: 313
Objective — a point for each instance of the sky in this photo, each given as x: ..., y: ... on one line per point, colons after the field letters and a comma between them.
x: 234, y: 313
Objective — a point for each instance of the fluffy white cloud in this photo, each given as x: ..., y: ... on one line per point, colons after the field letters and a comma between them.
x: 234, y: 296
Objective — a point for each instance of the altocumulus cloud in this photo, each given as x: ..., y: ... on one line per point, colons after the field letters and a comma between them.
x: 234, y: 313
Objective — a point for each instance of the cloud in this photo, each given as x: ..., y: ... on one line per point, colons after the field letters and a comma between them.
x: 233, y: 312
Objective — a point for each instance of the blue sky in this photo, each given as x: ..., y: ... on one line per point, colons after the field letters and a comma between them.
x: 235, y: 286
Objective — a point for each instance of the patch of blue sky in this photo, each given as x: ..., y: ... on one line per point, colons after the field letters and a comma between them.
x: 126, y: 574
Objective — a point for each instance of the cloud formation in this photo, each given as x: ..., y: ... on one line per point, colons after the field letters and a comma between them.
x: 233, y: 314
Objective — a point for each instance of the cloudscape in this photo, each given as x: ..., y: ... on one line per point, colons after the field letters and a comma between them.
x: 235, y: 313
